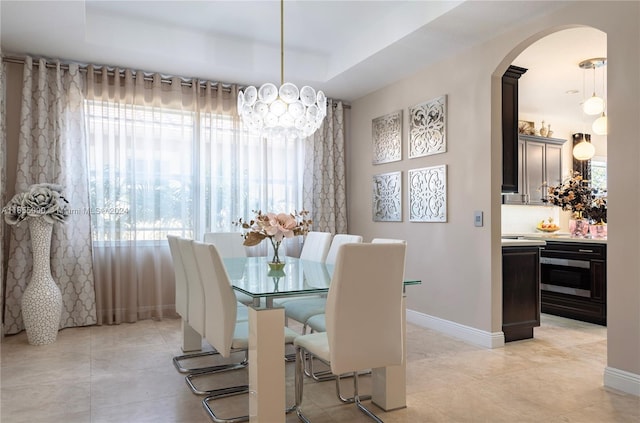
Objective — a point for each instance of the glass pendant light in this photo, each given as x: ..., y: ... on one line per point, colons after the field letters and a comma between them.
x: 584, y: 150
x: 600, y: 125
x: 594, y: 105
x: 285, y: 111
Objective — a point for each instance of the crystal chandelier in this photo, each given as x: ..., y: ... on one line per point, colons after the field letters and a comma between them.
x: 283, y: 112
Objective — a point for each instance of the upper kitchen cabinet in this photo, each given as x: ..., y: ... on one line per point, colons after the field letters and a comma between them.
x: 539, y: 164
x: 510, y: 128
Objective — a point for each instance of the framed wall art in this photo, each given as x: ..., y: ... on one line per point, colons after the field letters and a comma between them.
x: 386, y: 133
x: 428, y: 194
x: 428, y: 128
x: 387, y: 197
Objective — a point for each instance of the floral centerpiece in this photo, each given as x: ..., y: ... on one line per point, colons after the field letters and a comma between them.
x: 275, y: 227
x: 577, y: 196
x: 40, y: 200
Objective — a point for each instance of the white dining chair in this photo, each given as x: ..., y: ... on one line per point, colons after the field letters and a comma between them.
x: 196, y: 309
x: 336, y: 242
x: 387, y: 241
x: 223, y: 331
x: 191, y: 339
x: 316, y: 246
x: 301, y: 310
x: 363, y: 316
x: 230, y: 245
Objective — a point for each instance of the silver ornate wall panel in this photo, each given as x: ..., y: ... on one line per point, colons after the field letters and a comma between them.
x: 386, y: 132
x: 428, y: 194
x: 428, y: 128
x: 387, y: 197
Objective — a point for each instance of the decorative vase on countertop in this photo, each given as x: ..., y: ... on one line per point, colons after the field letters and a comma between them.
x: 598, y: 230
x: 41, y: 300
x: 578, y: 227
x: 549, y: 131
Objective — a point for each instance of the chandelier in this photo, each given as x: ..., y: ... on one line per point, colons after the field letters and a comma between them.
x: 285, y: 111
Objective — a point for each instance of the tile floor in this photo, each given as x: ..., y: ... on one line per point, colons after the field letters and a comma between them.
x: 124, y: 374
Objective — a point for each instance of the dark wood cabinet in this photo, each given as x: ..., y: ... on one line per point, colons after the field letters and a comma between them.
x: 574, y: 280
x: 510, y: 128
x: 520, y: 292
x: 539, y: 165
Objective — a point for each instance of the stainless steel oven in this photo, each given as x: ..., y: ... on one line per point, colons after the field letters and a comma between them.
x: 566, y: 276
x: 573, y: 280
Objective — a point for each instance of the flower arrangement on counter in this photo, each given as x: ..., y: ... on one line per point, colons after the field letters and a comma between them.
x: 577, y: 196
x: 40, y: 200
x: 275, y: 227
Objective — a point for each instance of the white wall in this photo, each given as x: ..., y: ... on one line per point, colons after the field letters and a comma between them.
x: 459, y: 264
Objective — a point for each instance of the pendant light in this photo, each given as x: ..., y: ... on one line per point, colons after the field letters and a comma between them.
x: 594, y: 105
x: 283, y: 112
x: 584, y: 150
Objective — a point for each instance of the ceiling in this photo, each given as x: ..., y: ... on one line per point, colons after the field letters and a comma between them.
x: 346, y: 48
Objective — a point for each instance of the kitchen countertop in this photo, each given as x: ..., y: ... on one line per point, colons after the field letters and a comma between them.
x: 522, y: 242
x: 557, y: 236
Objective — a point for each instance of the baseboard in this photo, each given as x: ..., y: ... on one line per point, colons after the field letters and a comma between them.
x: 462, y: 332
x: 622, y: 381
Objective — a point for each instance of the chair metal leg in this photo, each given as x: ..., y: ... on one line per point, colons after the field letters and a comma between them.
x: 357, y: 398
x: 299, y: 383
x: 213, y: 370
x: 180, y: 368
x: 205, y: 403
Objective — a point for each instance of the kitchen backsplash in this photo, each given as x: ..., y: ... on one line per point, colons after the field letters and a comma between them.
x: 523, y: 219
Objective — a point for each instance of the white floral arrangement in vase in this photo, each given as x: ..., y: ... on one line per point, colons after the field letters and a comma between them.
x: 40, y: 200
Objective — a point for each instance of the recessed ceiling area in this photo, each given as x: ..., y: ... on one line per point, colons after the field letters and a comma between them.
x: 346, y: 48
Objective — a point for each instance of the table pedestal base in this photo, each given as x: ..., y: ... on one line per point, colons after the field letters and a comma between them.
x: 390, y: 383
x: 266, y: 365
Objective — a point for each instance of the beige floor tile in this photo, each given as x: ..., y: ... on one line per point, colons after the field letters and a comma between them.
x: 124, y: 373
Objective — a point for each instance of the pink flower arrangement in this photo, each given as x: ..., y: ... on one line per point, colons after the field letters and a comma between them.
x: 274, y: 226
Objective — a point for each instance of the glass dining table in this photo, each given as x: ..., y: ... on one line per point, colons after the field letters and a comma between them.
x: 253, y: 277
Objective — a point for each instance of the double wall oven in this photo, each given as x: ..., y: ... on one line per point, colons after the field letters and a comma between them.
x: 573, y: 280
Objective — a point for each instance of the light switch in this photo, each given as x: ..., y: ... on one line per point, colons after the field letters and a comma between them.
x: 477, y: 218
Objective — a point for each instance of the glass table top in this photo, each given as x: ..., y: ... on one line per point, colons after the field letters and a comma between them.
x: 252, y: 276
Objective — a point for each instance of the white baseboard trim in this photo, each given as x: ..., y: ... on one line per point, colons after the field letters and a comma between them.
x: 622, y: 381
x: 465, y: 333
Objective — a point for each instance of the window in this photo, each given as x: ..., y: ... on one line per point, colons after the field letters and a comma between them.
x: 155, y: 171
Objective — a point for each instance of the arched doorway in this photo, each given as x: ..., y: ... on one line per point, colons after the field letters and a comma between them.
x: 552, y: 91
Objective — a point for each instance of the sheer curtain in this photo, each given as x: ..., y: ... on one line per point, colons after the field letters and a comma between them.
x: 325, y: 177
x: 171, y: 157
x: 140, y: 134
x: 52, y: 149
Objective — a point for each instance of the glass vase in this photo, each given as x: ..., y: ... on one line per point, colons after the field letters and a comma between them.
x: 578, y: 228
x: 598, y: 230
x: 275, y: 263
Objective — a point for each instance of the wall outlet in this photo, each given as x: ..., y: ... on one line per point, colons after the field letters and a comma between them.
x: 478, y: 218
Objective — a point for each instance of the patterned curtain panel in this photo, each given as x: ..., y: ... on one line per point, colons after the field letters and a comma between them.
x: 3, y: 177
x: 324, y: 183
x: 52, y: 149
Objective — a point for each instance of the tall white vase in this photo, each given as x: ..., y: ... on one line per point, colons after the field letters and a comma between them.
x: 41, y: 300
